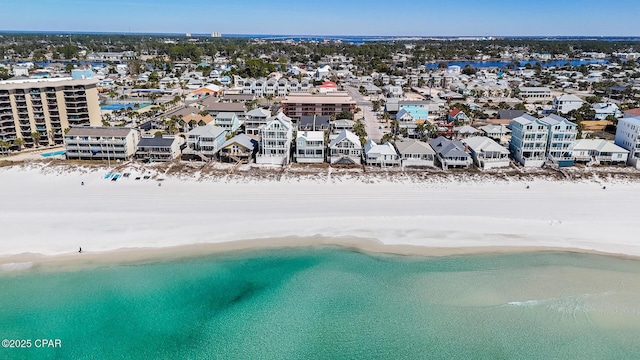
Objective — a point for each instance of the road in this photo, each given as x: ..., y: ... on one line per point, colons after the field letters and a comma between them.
x: 371, y: 123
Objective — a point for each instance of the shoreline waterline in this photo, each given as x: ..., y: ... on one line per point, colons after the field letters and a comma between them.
x: 145, y: 255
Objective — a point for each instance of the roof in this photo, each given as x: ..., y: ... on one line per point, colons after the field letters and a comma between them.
x: 103, y: 131
x: 568, y: 97
x: 510, y: 114
x: 319, y: 99
x: 466, y: 129
x: 414, y: 147
x: 218, y: 106
x: 197, y: 118
x: 635, y: 120
x: 329, y: 84
x: 348, y: 135
x: 344, y: 122
x: 525, y: 119
x: 494, y: 128
x: 259, y: 112
x: 448, y: 148
x: 207, y: 130
x: 481, y: 143
x: 314, y: 122
x: 226, y: 115
x: 534, y: 88
x: 159, y: 141
x: 633, y: 112
x: 311, y: 135
x: 600, y: 145
x: 383, y: 149
x: 554, y: 119
x: 212, y: 101
x: 238, y: 97
x: 454, y: 112
x: 242, y: 140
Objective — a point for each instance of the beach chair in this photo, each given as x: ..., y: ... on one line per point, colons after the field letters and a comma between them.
x: 107, y: 175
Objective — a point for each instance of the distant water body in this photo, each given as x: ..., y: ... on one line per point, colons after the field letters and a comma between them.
x: 330, y: 303
x: 508, y: 64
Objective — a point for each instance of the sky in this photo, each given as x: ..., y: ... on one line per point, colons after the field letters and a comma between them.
x: 328, y: 17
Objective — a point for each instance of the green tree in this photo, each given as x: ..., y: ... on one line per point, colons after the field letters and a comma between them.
x: 5, y: 146
x: 36, y: 138
x: 4, y: 73
x: 345, y: 115
x: 19, y: 142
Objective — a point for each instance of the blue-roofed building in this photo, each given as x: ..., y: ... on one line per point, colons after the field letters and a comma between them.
x: 418, y: 109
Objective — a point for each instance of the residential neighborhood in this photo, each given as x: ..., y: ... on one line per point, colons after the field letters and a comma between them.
x: 537, y: 110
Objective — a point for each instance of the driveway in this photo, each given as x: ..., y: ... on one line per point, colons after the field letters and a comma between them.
x: 371, y: 123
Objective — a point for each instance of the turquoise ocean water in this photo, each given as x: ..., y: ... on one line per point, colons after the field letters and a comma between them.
x: 330, y: 303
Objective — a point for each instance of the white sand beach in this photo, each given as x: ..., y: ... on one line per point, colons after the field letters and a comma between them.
x: 51, y: 213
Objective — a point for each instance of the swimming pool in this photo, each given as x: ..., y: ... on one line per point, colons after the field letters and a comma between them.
x: 119, y: 106
x: 55, y: 153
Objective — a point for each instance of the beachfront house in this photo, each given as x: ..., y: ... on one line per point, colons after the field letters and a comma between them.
x: 310, y: 147
x: 228, y: 121
x: 314, y: 123
x: 599, y: 151
x: 628, y: 137
x: 345, y: 149
x: 239, y: 149
x: 159, y: 148
x: 486, y: 153
x: 275, y: 140
x: 205, y: 141
x: 101, y: 143
x: 561, y: 138
x: 342, y: 124
x: 451, y: 153
x: 380, y: 154
x: 255, y: 119
x: 497, y: 132
x: 414, y: 153
x: 528, y: 143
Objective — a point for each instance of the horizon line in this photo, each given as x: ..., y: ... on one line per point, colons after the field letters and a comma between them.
x: 198, y: 34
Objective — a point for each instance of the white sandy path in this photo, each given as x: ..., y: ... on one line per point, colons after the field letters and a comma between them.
x: 54, y: 214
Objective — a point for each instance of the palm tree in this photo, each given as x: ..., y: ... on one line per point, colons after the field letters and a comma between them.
x: 36, y: 137
x: 5, y: 145
x: 19, y: 142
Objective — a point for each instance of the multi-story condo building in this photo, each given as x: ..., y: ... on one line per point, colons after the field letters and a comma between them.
x: 533, y: 94
x: 46, y: 107
x: 310, y: 147
x: 628, y: 137
x: 295, y: 106
x: 561, y: 139
x: 101, y: 143
x: 275, y: 141
x: 528, y: 143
